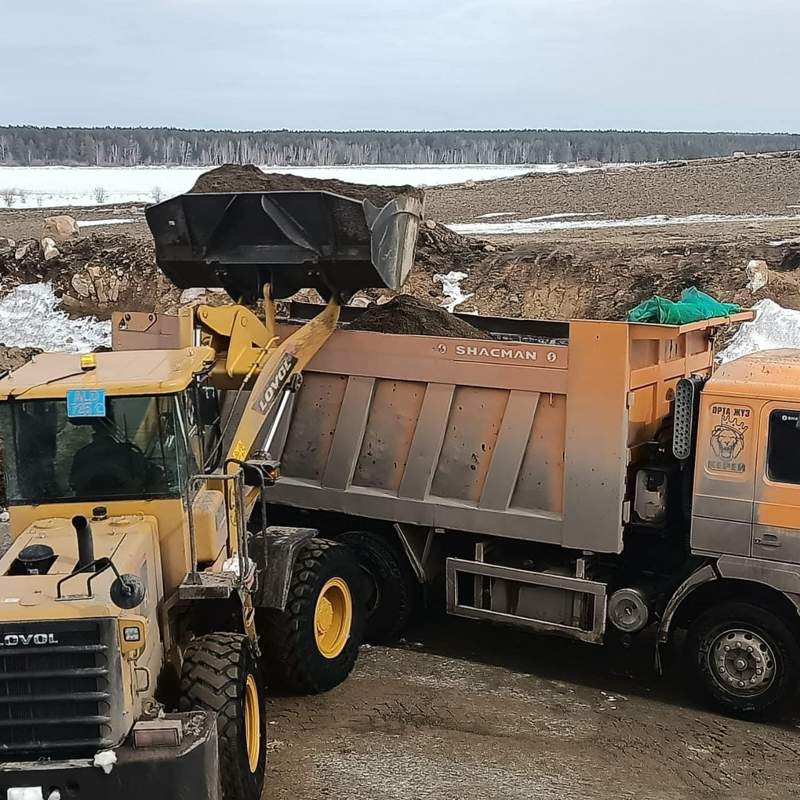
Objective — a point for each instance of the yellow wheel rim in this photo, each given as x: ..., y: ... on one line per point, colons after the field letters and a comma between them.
x: 252, y: 723
x: 333, y: 618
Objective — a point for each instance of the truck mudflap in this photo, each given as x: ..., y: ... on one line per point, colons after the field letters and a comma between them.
x: 186, y: 771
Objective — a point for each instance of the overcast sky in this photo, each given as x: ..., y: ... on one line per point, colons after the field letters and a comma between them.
x: 402, y: 64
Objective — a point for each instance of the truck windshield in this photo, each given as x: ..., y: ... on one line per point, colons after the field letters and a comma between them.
x: 133, y: 452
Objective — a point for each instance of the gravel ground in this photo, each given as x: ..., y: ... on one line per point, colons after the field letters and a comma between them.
x: 475, y: 712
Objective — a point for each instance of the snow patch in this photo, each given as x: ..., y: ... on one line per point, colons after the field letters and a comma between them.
x: 498, y: 214
x: 774, y: 327
x: 451, y: 289
x: 91, y: 223
x: 30, y: 317
x: 782, y: 242
x: 46, y: 187
x: 542, y: 225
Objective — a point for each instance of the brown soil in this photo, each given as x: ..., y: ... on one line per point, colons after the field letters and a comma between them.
x: 249, y: 178
x: 408, y: 315
x: 763, y: 184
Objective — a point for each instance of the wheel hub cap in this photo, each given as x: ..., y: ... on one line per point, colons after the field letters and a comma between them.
x: 742, y: 662
x: 333, y: 618
x: 252, y: 723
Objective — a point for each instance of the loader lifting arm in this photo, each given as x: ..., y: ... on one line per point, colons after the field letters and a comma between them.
x: 261, y: 246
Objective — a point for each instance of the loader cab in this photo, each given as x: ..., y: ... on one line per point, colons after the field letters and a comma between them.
x: 747, y: 477
x: 95, y: 432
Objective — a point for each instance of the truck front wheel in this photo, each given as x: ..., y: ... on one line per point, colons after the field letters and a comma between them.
x: 312, y: 645
x: 221, y: 674
x: 745, y: 657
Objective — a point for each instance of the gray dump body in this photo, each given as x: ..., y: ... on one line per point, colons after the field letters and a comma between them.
x: 530, y: 441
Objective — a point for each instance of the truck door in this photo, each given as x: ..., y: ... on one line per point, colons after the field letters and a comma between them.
x: 722, y: 511
x: 776, y: 516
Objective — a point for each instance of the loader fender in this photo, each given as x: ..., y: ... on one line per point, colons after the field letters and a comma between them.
x: 699, y: 578
x: 275, y: 552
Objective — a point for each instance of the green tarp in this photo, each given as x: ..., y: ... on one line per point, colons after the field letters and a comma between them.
x: 693, y: 306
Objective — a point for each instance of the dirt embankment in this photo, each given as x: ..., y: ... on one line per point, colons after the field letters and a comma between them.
x: 760, y: 184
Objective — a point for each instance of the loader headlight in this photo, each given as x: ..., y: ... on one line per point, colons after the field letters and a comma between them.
x: 132, y: 635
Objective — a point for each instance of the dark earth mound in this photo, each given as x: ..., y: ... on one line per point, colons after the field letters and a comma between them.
x: 249, y: 178
x: 407, y: 315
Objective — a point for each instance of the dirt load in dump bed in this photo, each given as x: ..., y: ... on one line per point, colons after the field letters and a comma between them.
x: 249, y: 178
x: 408, y: 315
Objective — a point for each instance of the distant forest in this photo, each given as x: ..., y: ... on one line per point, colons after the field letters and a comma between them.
x: 118, y: 147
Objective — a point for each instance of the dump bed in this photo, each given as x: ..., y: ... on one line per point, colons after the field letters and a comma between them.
x: 509, y: 438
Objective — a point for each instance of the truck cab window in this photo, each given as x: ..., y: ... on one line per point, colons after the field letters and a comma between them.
x: 783, y: 449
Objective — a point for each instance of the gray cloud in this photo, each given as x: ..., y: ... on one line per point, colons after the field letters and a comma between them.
x: 343, y: 64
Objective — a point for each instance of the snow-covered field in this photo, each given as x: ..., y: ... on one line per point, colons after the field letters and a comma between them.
x: 85, y: 186
x: 555, y: 222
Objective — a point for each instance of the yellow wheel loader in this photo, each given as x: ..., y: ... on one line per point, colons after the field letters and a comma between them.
x: 144, y: 601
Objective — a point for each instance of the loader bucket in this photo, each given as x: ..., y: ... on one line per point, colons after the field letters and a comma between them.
x: 292, y: 240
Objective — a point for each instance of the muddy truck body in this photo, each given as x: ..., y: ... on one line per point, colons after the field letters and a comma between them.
x: 582, y: 478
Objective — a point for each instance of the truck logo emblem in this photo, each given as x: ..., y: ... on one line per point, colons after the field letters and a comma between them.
x: 27, y: 639
x: 727, y: 439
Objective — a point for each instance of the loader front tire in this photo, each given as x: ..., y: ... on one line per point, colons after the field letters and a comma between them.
x: 312, y: 645
x: 221, y: 674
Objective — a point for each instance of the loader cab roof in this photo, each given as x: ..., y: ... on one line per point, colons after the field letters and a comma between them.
x: 768, y: 375
x: 123, y: 373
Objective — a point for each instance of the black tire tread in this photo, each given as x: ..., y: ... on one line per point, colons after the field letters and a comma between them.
x: 291, y: 664
x: 209, y: 680
x: 782, y: 637
x: 382, y: 628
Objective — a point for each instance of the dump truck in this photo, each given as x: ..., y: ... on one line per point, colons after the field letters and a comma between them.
x: 588, y: 479
x: 143, y: 603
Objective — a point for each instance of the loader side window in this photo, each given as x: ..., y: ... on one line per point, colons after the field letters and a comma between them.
x: 783, y: 448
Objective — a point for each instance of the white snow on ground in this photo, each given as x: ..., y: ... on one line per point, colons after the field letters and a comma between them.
x: 498, y: 214
x: 782, y: 242
x: 563, y: 216
x: 77, y: 186
x: 30, y: 317
x: 91, y: 223
x: 774, y: 327
x: 543, y: 224
x: 451, y: 289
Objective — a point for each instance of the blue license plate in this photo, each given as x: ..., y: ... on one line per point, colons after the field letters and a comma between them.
x: 86, y: 403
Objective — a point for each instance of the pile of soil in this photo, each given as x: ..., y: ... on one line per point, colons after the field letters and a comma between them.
x: 96, y: 274
x: 412, y: 317
x: 249, y: 178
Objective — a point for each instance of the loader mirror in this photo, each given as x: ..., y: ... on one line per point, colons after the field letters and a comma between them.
x: 258, y: 473
x: 128, y: 591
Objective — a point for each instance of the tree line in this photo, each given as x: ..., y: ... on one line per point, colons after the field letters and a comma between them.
x: 117, y: 147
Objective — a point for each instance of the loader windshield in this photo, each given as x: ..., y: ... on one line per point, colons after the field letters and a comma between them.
x: 132, y: 451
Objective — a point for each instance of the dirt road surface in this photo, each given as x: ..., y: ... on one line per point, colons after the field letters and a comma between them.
x: 467, y: 712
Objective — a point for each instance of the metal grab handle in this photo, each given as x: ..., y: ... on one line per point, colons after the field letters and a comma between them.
x: 768, y: 540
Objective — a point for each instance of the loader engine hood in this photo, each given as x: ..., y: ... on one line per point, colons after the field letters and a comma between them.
x: 57, y: 591
x: 291, y: 240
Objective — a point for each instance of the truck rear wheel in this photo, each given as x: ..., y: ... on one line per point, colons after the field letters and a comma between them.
x: 746, y: 658
x: 221, y: 674
x: 392, y: 588
x: 312, y: 646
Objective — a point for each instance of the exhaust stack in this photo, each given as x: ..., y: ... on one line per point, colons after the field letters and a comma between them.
x: 83, y: 531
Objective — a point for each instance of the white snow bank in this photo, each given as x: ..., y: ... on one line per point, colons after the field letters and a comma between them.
x: 91, y: 223
x: 30, y: 317
x: 451, y: 289
x: 78, y: 186
x: 543, y: 224
x: 774, y: 327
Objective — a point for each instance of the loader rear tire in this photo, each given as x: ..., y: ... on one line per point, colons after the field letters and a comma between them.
x: 392, y: 591
x: 221, y: 674
x: 312, y: 645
